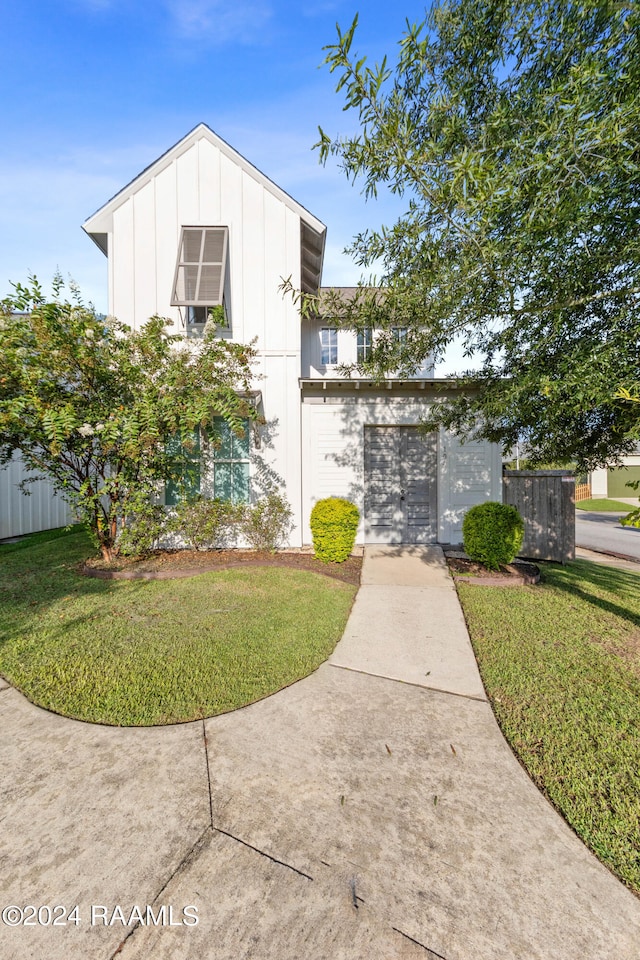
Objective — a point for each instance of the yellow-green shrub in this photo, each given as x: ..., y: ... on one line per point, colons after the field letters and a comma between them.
x: 334, y: 522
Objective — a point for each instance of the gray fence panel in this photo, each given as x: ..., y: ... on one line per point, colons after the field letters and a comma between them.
x: 545, y: 500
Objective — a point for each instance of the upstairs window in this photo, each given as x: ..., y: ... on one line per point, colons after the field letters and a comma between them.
x: 201, y: 273
x: 328, y: 346
x: 364, y: 345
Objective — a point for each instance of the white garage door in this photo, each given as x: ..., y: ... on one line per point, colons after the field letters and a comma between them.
x: 400, y: 485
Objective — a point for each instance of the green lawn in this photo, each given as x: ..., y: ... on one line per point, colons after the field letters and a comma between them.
x: 149, y: 652
x: 605, y: 505
x: 561, y: 665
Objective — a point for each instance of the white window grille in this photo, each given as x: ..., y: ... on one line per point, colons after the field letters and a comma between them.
x: 364, y: 342
x: 329, y: 346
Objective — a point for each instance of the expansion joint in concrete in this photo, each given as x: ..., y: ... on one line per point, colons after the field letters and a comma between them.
x: 263, y: 854
x: 410, y: 683
x: 432, y: 953
x: 206, y: 760
x: 192, y: 854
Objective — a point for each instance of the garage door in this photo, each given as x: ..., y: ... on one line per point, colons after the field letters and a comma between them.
x: 400, y: 485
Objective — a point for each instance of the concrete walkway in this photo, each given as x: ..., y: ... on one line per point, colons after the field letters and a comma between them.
x: 372, y: 810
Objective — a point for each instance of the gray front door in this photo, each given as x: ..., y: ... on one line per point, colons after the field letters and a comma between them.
x: 400, y: 485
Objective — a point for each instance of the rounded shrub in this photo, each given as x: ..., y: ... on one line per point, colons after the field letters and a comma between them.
x: 492, y: 533
x: 334, y: 522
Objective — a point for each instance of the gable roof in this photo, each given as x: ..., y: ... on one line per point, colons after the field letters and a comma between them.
x: 313, y: 231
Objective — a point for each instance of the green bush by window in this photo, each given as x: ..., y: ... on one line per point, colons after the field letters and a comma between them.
x: 493, y: 533
x: 266, y: 524
x: 334, y: 523
x: 206, y: 524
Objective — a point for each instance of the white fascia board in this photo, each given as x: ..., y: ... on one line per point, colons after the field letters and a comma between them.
x: 101, y: 221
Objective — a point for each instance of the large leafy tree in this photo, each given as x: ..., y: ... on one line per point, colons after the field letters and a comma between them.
x: 97, y: 408
x: 511, y: 128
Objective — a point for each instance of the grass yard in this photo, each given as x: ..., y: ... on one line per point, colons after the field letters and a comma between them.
x: 561, y: 665
x: 151, y: 652
x: 605, y: 505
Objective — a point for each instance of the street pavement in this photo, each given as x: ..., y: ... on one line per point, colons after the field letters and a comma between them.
x: 596, y: 530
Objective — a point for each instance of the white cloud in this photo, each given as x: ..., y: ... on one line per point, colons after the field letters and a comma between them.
x: 220, y: 21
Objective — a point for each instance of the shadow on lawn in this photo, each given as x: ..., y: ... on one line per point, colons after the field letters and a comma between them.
x: 618, y: 584
x: 36, y: 573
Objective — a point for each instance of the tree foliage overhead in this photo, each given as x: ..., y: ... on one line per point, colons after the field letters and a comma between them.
x: 512, y: 131
x: 92, y: 406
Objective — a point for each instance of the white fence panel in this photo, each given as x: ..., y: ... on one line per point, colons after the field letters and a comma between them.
x: 42, y: 509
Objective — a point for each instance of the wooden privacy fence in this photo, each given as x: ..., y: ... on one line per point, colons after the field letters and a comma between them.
x: 545, y: 500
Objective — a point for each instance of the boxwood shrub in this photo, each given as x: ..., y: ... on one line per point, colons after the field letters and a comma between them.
x: 334, y: 522
x: 492, y: 533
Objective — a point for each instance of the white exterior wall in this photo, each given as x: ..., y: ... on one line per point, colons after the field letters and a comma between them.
x: 20, y: 513
x: 202, y: 186
x: 313, y: 368
x: 333, y: 459
x: 599, y: 481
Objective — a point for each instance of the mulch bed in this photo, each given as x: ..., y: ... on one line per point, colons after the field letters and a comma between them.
x: 173, y: 564
x: 516, y: 574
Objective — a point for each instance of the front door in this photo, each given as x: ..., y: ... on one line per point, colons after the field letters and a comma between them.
x: 400, y: 485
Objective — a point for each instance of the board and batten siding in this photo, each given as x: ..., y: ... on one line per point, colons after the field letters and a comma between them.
x: 20, y: 513
x: 333, y: 460
x: 469, y: 473
x: 203, y: 187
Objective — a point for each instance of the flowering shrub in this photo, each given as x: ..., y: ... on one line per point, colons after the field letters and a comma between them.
x: 91, y: 405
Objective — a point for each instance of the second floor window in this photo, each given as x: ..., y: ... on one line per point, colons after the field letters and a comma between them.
x: 364, y: 345
x: 329, y: 346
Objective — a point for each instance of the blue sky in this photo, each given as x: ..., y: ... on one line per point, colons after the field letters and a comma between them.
x: 92, y: 91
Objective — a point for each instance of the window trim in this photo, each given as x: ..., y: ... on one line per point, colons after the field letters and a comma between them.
x: 331, y: 347
x: 217, y: 460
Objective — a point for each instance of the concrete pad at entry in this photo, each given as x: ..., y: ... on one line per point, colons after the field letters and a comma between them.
x: 406, y: 566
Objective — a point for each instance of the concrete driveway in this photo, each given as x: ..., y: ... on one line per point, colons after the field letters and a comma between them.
x: 372, y: 810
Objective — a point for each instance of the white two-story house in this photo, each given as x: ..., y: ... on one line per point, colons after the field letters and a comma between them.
x: 201, y: 227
